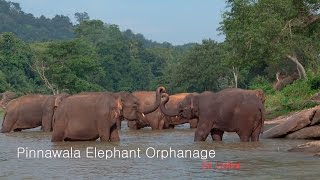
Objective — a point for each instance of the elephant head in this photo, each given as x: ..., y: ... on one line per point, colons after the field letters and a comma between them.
x: 188, y: 108
x: 132, y: 109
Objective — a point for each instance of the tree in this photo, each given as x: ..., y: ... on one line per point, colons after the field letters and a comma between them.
x: 80, y: 17
x: 68, y: 66
x: 268, y: 36
x: 15, y: 57
x: 201, y: 69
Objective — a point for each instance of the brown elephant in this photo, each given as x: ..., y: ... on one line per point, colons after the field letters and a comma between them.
x: 174, y: 100
x: 89, y: 116
x: 230, y: 110
x: 156, y: 119
x: 31, y: 111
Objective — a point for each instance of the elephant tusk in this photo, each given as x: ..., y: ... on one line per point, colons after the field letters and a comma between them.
x: 143, y: 115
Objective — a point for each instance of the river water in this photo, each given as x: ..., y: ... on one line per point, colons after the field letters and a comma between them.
x: 267, y: 159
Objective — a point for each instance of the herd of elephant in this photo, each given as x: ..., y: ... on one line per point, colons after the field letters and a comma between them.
x: 92, y: 115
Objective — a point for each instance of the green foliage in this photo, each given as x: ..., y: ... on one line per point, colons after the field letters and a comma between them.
x: 30, y: 28
x: 293, y: 97
x: 261, y: 34
x: 200, y: 68
x: 315, y: 83
x: 15, y: 60
x: 70, y: 64
x: 96, y: 56
x: 260, y: 82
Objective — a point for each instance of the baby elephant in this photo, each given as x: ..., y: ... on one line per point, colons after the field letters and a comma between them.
x: 235, y: 110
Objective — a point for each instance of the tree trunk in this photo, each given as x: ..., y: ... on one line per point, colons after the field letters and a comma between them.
x: 235, y: 72
x: 301, y: 69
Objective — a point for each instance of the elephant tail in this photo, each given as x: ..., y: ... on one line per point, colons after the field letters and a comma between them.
x: 262, y: 119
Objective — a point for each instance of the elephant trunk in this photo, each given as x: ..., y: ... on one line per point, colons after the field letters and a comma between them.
x: 164, y: 110
x: 154, y: 106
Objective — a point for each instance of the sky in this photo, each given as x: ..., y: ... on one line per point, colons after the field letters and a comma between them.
x: 174, y: 21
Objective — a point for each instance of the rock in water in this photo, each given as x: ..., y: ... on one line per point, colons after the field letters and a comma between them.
x: 311, y: 147
x: 293, y: 123
x: 306, y: 133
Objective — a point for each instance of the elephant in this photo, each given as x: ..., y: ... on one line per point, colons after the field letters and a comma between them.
x: 156, y: 119
x: 89, y: 116
x: 31, y: 111
x: 237, y: 111
x: 174, y: 100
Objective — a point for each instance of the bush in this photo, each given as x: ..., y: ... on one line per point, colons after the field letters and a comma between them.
x: 261, y: 82
x: 315, y: 83
x: 293, y: 97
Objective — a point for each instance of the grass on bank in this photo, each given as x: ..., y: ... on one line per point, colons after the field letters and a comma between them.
x: 294, y: 97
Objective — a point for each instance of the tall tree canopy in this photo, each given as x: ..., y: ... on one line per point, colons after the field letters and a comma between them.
x: 267, y: 36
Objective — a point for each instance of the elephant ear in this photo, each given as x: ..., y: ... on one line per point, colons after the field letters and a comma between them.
x: 59, y: 99
x: 260, y: 94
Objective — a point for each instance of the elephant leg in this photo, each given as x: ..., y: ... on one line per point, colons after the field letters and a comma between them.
x: 46, y: 123
x: 104, y: 130
x: 193, y: 123
x: 257, y: 129
x: 59, y: 130
x: 244, y: 137
x: 7, y: 124
x: 114, y: 135
x: 216, y: 134
x: 202, y: 132
x: 58, y: 135
x: 256, y: 133
x: 17, y: 130
x: 161, y: 124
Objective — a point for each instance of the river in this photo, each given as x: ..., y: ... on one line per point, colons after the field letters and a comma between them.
x: 267, y: 159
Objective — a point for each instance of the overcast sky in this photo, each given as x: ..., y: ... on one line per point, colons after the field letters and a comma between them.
x: 174, y: 21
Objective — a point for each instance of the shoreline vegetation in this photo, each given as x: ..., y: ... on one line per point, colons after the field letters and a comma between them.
x: 266, y: 42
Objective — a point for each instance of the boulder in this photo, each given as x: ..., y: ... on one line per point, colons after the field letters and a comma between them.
x: 311, y: 132
x: 292, y: 123
x: 310, y: 147
x: 316, y: 118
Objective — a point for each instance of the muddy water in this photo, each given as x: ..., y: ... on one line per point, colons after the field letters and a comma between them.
x: 267, y: 159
